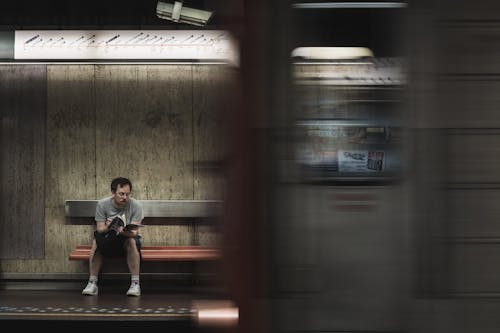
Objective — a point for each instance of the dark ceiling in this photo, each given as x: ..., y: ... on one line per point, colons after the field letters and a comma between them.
x: 77, y: 14
x: 379, y: 29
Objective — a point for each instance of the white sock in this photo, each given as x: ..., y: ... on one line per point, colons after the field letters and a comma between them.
x: 135, y: 279
x: 93, y: 279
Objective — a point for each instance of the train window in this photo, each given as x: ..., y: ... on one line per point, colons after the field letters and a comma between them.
x: 349, y: 116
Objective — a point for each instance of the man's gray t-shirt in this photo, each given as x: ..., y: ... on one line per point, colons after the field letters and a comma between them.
x: 105, y: 209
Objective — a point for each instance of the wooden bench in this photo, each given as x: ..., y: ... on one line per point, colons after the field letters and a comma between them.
x: 161, y: 253
x: 192, y: 209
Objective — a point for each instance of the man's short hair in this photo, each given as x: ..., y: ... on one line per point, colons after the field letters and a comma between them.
x: 120, y: 181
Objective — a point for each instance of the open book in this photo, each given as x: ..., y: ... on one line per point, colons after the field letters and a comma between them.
x: 119, y: 223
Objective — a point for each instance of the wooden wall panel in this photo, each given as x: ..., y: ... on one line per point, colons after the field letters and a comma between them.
x: 211, y: 86
x: 116, y: 107
x: 109, y: 120
x: 70, y: 158
x: 144, y: 132
x: 70, y: 134
x: 23, y: 109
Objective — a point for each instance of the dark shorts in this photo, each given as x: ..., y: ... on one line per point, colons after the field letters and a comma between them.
x: 113, y: 246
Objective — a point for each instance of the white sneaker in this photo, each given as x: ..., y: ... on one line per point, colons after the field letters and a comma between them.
x: 91, y: 289
x: 134, y: 290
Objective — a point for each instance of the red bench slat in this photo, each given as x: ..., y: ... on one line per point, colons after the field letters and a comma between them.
x: 161, y: 253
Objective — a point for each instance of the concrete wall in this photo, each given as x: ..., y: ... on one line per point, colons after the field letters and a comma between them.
x: 159, y: 125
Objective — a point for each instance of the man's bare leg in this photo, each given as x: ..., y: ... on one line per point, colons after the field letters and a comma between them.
x: 95, y: 260
x: 95, y: 264
x: 134, y: 263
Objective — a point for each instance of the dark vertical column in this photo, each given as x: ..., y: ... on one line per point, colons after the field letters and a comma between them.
x: 23, y: 109
x: 248, y: 226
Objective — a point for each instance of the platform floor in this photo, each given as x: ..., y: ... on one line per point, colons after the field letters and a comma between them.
x: 66, y: 309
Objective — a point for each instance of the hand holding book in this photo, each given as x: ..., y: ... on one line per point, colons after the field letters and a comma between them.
x: 119, y: 223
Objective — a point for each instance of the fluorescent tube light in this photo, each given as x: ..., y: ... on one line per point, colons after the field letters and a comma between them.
x: 331, y: 53
x: 163, y: 45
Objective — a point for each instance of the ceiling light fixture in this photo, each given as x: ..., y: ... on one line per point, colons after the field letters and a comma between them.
x: 177, y: 12
x: 331, y: 53
x: 174, y: 46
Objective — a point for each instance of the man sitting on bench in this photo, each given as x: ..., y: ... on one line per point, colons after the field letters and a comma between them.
x: 117, y: 234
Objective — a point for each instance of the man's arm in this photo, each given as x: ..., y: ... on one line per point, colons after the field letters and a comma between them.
x: 102, y: 226
x: 131, y: 230
x: 101, y: 221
